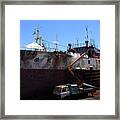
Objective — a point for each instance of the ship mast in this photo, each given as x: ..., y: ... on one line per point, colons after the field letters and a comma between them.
x: 38, y: 39
x: 92, y: 41
x: 56, y: 43
x: 86, y: 36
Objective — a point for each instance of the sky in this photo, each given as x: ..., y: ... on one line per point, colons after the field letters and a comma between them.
x: 67, y: 31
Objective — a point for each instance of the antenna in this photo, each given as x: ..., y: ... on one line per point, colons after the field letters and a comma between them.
x: 56, y: 43
x: 38, y: 38
x: 86, y: 36
x: 92, y: 41
x: 86, y: 30
x: 77, y: 44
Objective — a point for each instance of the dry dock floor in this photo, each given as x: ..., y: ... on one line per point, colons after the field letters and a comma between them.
x: 96, y: 96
